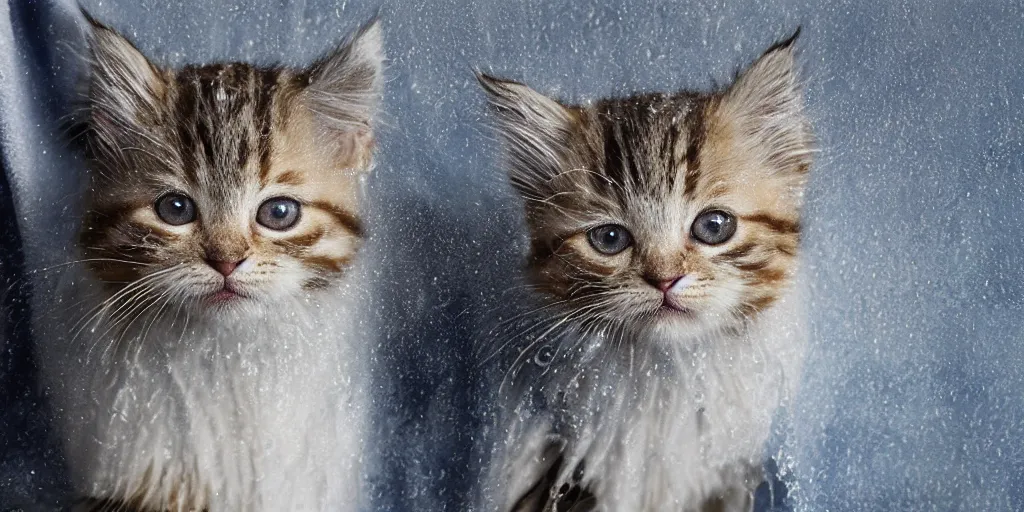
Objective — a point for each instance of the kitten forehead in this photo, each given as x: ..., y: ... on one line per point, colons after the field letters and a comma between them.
x: 213, y: 123
x: 652, y: 163
x: 646, y: 141
x: 222, y: 120
x: 229, y: 136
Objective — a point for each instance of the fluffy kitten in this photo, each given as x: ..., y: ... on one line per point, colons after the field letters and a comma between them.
x: 208, y: 355
x: 664, y: 236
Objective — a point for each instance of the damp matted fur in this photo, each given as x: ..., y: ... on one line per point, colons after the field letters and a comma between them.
x: 668, y: 323
x: 204, y: 349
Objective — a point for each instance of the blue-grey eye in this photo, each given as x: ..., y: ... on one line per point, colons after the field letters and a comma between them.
x: 610, y: 239
x: 713, y: 227
x: 175, y: 209
x: 279, y: 213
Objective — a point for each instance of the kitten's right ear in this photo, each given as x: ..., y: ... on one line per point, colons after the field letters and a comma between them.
x: 535, y: 130
x: 124, y: 87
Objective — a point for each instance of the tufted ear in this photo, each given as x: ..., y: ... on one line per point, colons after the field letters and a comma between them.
x: 535, y: 130
x: 125, y: 89
x: 766, y: 104
x: 345, y: 85
x: 343, y: 92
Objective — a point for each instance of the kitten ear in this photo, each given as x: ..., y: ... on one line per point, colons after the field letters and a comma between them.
x: 124, y: 87
x: 766, y: 104
x: 345, y: 86
x: 535, y: 130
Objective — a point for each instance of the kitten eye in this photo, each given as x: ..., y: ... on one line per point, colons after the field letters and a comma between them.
x: 610, y: 239
x: 175, y: 209
x: 278, y: 213
x: 714, y: 227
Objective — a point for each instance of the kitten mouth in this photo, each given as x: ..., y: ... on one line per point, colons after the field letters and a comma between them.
x: 667, y: 308
x: 225, y: 295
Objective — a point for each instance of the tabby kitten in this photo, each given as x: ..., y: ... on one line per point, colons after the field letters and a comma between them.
x: 664, y: 236
x: 209, y: 353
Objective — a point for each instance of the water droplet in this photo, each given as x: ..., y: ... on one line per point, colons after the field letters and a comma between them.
x: 544, y: 356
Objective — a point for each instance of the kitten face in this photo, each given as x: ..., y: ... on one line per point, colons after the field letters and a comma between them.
x: 226, y: 185
x: 677, y: 214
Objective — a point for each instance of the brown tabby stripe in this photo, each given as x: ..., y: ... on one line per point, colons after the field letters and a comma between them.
x: 568, y: 254
x: 624, y: 162
x: 289, y: 178
x: 614, y: 160
x: 327, y: 263
x: 770, y: 276
x: 306, y: 240
x: 774, y: 223
x: 344, y: 217
x: 758, y: 304
x: 184, y: 110
x: 740, y: 251
x: 669, y: 143
x: 715, y: 190
x: 695, y: 123
x: 316, y: 283
x: 789, y: 247
x: 265, y: 116
x: 198, y: 120
x: 752, y: 266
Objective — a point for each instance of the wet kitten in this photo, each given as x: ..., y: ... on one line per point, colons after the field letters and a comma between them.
x: 209, y: 353
x: 664, y: 236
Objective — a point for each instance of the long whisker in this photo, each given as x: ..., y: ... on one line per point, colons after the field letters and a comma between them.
x: 509, y: 321
x: 129, y: 296
x: 87, y: 260
x: 87, y: 319
x: 513, y: 369
x: 140, y: 300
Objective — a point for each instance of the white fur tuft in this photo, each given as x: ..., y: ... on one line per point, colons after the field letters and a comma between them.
x: 256, y: 409
x: 657, y: 425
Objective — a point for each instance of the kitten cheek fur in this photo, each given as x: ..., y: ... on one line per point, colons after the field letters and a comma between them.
x: 229, y: 136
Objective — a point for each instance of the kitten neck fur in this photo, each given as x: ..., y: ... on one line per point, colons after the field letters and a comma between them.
x: 209, y: 354
x: 651, y: 379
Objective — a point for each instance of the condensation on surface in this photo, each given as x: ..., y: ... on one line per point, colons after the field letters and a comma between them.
x: 913, y: 397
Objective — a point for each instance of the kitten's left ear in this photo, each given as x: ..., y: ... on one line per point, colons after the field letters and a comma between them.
x: 766, y: 103
x: 345, y: 86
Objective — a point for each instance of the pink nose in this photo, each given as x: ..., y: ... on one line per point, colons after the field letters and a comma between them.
x: 224, y: 267
x: 664, y: 284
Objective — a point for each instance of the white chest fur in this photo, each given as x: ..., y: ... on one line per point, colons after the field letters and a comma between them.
x: 663, y: 432
x: 255, y: 412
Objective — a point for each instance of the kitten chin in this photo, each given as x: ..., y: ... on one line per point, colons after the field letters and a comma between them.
x: 667, y: 325
x: 207, y: 354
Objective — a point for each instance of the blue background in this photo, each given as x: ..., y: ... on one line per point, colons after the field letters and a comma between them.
x: 913, y: 397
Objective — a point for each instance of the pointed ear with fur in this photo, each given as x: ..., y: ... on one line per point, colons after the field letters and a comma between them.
x: 345, y: 87
x: 125, y: 89
x: 766, y: 104
x: 534, y: 128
